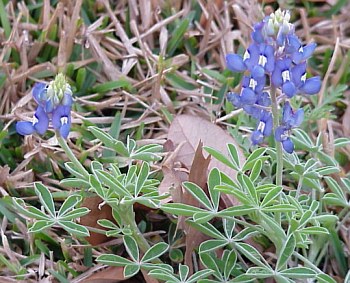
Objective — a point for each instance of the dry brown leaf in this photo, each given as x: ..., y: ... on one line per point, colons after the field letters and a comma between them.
x: 96, y: 213
x: 190, y: 130
x: 111, y: 274
x: 198, y: 175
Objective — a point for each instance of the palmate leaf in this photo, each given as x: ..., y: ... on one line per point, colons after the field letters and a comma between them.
x: 73, y: 228
x: 132, y: 248
x: 30, y: 211
x: 45, y: 198
x: 131, y: 270
x: 154, y: 252
x: 40, y: 225
x: 198, y: 193
x: 113, y: 260
x: 69, y: 204
x: 286, y: 252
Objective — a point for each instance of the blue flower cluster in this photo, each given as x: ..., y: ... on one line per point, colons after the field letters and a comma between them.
x: 54, y: 103
x: 275, y: 57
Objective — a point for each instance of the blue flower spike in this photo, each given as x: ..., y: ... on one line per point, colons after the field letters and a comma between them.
x: 278, y: 57
x: 54, y: 104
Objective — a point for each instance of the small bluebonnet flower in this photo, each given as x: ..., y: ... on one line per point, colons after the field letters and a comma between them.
x: 54, y: 103
x: 278, y: 57
x: 290, y: 119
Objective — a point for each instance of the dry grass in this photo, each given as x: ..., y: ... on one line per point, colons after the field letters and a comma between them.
x: 133, y: 41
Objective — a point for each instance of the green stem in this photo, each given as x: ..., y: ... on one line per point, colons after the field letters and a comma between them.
x: 128, y: 218
x: 62, y: 142
x: 279, y: 153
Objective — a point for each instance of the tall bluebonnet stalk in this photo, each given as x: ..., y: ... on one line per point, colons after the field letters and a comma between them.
x: 54, y: 103
x: 275, y: 60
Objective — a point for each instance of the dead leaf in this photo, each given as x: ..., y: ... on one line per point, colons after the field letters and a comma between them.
x: 96, y: 213
x: 198, y: 175
x: 109, y: 275
x: 190, y: 130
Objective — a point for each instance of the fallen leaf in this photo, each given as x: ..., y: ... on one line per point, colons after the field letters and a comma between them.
x: 198, y: 175
x: 96, y: 213
x: 189, y: 130
x: 111, y: 274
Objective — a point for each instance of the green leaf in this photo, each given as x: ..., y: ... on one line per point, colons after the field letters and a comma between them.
x: 198, y: 193
x: 104, y: 137
x: 245, y: 234
x: 238, y: 210
x: 74, y: 228
x: 30, y: 211
x: 335, y: 187
x: 177, y: 36
x: 45, y: 198
x: 180, y: 209
x: 255, y: 173
x: 141, y: 178
x: 271, y: 196
x: 183, y: 272
x: 75, y: 183
x: 340, y: 142
x: 75, y: 213
x: 154, y: 252
x: 260, y: 272
x: 230, y: 264
x: 279, y: 208
x: 255, y: 155
x: 73, y: 170
x: 249, y: 187
x: 113, y: 260
x: 203, y: 217
x: 198, y: 275
x: 325, y: 278
x: 40, y: 225
x: 221, y: 157
x: 131, y: 270
x: 298, y: 273
x: 214, y: 179
x: 286, y: 252
x: 132, y: 248
x: 210, y: 263
x: 252, y: 254
x: 112, y: 183
x: 211, y: 245
x: 69, y: 204
x: 111, y: 85
x: 233, y: 152
x: 237, y: 193
x: 161, y: 275
x: 207, y: 229
x: 314, y: 231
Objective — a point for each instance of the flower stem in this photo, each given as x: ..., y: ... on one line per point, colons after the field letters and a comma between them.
x: 279, y: 153
x: 62, y: 142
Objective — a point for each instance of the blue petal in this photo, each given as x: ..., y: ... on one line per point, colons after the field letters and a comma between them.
x: 268, y: 125
x: 279, y: 132
x: 39, y: 92
x: 235, y: 99
x: 288, y: 145
x: 297, y: 72
x: 308, y: 50
x: 293, y: 44
x: 264, y: 99
x: 287, y: 113
x: 311, y: 86
x: 257, y: 34
x: 49, y: 106
x: 24, y: 128
x: 65, y: 128
x: 248, y: 96
x: 235, y: 63
x: 298, y: 118
x: 57, y: 114
x: 258, y: 71
x: 43, y: 120
x: 67, y: 100
x: 253, y: 51
x: 257, y: 137
x: 289, y: 89
x: 254, y: 111
x: 276, y: 77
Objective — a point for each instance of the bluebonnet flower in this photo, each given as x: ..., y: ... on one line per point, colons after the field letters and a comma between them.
x: 290, y: 119
x: 54, y: 103
x: 277, y: 56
